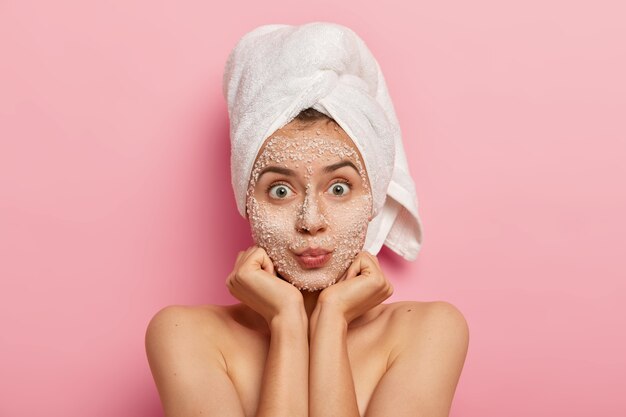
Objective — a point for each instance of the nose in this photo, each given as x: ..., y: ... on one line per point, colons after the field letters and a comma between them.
x: 310, y: 218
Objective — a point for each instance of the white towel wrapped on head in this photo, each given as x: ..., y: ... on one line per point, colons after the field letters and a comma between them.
x: 276, y: 71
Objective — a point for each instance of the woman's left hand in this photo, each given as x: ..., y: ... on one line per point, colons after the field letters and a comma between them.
x: 362, y: 287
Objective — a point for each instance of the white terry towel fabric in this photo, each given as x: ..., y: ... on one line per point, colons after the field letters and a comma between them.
x: 275, y: 71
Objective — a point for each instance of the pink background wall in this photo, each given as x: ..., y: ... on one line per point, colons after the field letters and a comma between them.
x: 115, y: 196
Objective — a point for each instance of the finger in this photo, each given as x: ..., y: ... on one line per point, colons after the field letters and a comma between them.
x: 248, y: 252
x: 356, y: 267
x: 260, y: 259
x: 374, y: 262
x: 343, y: 276
x: 368, y: 264
x: 239, y: 258
x: 375, y: 265
x: 266, y: 262
x: 374, y: 258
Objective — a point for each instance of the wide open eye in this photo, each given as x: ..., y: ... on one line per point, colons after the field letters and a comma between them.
x: 279, y: 191
x: 339, y: 188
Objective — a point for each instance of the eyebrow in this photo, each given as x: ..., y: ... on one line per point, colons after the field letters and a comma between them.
x: 278, y: 170
x: 291, y: 173
x: 334, y: 167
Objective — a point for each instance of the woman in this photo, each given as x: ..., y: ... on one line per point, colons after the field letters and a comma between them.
x: 311, y: 336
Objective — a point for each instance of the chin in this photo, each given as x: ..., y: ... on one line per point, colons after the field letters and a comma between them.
x: 317, y: 287
x: 310, y: 285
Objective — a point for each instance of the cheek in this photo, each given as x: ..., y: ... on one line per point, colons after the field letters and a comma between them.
x: 350, y: 220
x: 271, y: 226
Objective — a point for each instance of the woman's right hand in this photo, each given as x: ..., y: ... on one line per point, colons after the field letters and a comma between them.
x: 253, y: 281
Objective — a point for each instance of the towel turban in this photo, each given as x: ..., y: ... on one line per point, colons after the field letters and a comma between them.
x: 275, y: 71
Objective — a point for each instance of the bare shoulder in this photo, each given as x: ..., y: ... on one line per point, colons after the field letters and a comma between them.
x: 430, y: 341
x: 179, y: 328
x: 202, y: 329
x: 417, y: 323
x: 183, y: 350
x: 186, y: 321
x: 426, y: 310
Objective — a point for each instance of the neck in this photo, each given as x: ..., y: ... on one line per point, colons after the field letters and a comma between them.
x: 310, y: 301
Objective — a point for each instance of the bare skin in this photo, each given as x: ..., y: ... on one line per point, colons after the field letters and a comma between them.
x: 339, y: 351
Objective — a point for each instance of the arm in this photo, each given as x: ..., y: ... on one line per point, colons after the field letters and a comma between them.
x: 284, y: 389
x: 422, y: 377
x: 362, y: 287
x: 188, y: 368
x: 331, y: 384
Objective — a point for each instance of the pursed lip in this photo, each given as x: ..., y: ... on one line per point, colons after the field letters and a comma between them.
x: 313, y: 258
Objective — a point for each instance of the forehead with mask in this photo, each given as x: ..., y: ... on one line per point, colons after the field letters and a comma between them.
x: 309, y: 201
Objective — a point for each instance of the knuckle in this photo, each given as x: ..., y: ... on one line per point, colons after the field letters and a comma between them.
x: 390, y: 290
x: 374, y: 285
x: 239, y: 276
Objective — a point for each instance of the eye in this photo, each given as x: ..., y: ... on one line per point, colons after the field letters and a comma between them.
x: 279, y: 191
x: 340, y: 188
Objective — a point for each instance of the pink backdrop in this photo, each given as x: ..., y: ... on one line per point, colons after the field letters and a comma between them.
x: 115, y: 195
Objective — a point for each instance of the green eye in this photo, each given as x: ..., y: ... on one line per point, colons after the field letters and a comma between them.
x: 279, y: 191
x: 339, y: 189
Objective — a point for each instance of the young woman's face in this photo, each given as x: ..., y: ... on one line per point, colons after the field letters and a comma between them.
x: 309, y: 203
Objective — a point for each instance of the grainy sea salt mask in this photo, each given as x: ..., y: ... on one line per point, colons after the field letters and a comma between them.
x: 309, y: 204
